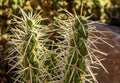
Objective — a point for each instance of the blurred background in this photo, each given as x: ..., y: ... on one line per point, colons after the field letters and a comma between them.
x: 107, y: 12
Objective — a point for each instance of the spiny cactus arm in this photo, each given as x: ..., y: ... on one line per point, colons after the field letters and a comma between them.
x: 75, y: 35
x: 81, y: 49
x: 27, y: 39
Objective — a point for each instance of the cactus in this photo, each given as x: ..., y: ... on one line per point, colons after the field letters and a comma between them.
x: 25, y: 61
x: 79, y: 49
x: 32, y: 58
x: 76, y: 35
x: 61, y: 53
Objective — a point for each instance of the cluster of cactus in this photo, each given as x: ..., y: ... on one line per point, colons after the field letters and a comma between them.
x: 56, y: 53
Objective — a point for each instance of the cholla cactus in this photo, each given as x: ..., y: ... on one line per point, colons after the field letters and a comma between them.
x: 63, y: 54
x: 79, y: 49
x: 33, y: 59
x: 29, y: 52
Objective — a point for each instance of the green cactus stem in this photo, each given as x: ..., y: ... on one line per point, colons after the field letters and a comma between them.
x: 76, y: 66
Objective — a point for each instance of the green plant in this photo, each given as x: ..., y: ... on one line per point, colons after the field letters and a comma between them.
x: 79, y: 49
x: 27, y: 48
x: 63, y: 52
